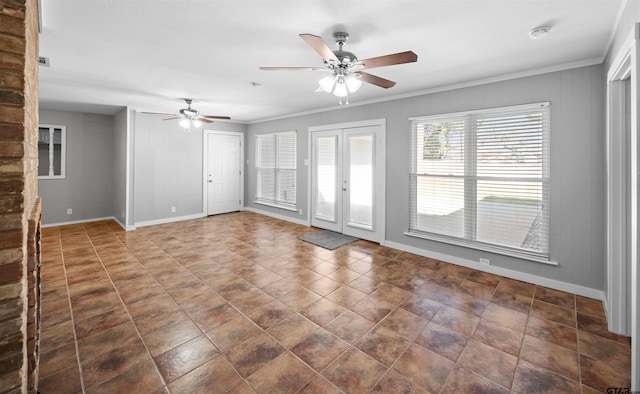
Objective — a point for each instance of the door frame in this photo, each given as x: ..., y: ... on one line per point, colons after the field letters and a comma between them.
x: 205, y: 165
x: 380, y: 195
x: 622, y: 257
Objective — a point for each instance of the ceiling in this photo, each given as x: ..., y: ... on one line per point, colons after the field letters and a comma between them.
x: 147, y: 54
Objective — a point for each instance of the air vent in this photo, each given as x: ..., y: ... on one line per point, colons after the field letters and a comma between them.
x: 43, y: 61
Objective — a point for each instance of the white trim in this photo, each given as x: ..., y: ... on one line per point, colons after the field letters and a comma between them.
x: 127, y: 186
x: 277, y: 216
x: 78, y: 221
x: 614, y: 29
x: 275, y: 205
x: 170, y: 220
x: 124, y: 227
x: 205, y: 165
x: 535, y: 279
x: 63, y: 150
x: 350, y: 125
x: 445, y: 88
x: 484, y: 111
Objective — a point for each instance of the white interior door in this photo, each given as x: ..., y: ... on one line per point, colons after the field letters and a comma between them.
x: 224, y: 173
x: 347, y: 181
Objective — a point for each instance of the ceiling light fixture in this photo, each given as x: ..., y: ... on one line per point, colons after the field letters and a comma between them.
x: 539, y: 32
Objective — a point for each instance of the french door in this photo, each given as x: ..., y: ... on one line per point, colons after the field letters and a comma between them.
x: 348, y: 181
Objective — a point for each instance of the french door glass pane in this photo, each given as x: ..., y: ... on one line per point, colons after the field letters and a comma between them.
x: 361, y: 178
x: 326, y: 176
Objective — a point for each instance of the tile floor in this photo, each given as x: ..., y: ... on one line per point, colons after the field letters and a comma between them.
x: 236, y: 303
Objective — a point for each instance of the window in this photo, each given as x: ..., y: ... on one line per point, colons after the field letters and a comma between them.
x: 276, y: 169
x: 52, y: 141
x: 481, y: 179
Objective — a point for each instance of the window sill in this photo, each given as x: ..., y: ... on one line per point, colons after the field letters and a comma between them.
x: 274, y: 205
x: 486, y: 248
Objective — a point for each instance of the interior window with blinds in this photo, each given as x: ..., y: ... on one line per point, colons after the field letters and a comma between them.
x: 276, y: 169
x: 481, y: 179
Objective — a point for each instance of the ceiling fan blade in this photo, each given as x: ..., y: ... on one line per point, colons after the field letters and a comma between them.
x: 158, y: 113
x: 175, y: 117
x: 374, y: 80
x: 205, y: 120
x: 387, y: 60
x: 214, y: 117
x: 320, y: 46
x: 292, y: 69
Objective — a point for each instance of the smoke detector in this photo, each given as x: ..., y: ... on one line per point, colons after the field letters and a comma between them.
x: 539, y: 32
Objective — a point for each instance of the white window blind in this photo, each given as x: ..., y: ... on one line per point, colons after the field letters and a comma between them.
x: 276, y: 168
x: 481, y: 179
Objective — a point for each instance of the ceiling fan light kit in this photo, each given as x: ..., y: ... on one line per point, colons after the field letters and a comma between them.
x: 346, y: 75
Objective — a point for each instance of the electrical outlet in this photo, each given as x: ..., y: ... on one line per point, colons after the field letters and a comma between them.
x: 485, y: 261
x: 69, y: 211
x: 173, y: 209
x: 300, y: 211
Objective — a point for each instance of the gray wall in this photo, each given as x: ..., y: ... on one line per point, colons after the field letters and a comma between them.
x: 119, y: 162
x: 168, y: 168
x: 88, y: 186
x: 577, y: 99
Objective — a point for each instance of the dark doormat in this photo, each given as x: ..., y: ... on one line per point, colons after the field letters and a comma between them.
x: 328, y: 239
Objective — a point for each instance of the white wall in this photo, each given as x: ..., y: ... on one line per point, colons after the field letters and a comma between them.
x: 88, y: 186
x: 577, y: 99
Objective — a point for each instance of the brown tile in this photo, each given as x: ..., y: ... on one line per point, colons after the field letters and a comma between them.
x: 168, y: 337
x: 319, y: 385
x: 489, y: 362
x: 435, y: 292
x: 299, y: 299
x: 383, y: 345
x: 532, y: 379
x: 556, y: 358
x: 143, y: 378
x: 603, y: 349
x: 597, y: 326
x: 552, y: 332
x: 555, y: 297
x: 322, y: 311
x: 292, y: 330
x: 462, y: 380
x: 512, y: 300
x: 233, y: 332
x: 253, y: 354
x: 267, y: 315
x: 325, y: 268
x: 113, y: 363
x: 92, y: 346
x: 186, y: 357
x: 393, y: 382
x: 215, y: 373
x: 590, y: 306
x: 349, y: 326
x: 467, y: 303
x: 65, y: 381
x: 462, y: 322
x: 416, y: 360
x: 421, y: 306
x: 506, y: 317
x: 602, y: 375
x: 404, y: 323
x: 443, y: 341
x: 554, y: 313
x: 391, y: 294
x: 59, y: 335
x: 484, y: 278
x: 98, y: 323
x: 324, y: 286
x: 319, y: 349
x: 208, y: 319
x: 372, y: 308
x: 517, y: 287
x: 354, y: 372
x: 346, y: 296
x: 58, y: 359
x: 159, y: 319
x: 478, y: 290
x: 285, y: 374
x: 365, y: 284
x: 499, y: 337
x: 241, y: 388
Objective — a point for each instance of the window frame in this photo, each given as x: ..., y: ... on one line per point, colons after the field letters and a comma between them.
x: 469, y: 239
x: 276, y: 201
x: 63, y: 150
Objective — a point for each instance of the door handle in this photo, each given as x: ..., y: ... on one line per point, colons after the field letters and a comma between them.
x: 344, y: 189
x: 210, y: 181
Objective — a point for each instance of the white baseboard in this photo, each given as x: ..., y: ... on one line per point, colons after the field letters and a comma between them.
x: 535, y: 279
x: 124, y: 226
x: 78, y: 221
x: 170, y: 220
x: 275, y: 215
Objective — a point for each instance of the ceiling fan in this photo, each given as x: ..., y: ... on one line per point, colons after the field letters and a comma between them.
x: 190, y: 116
x: 346, y: 69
